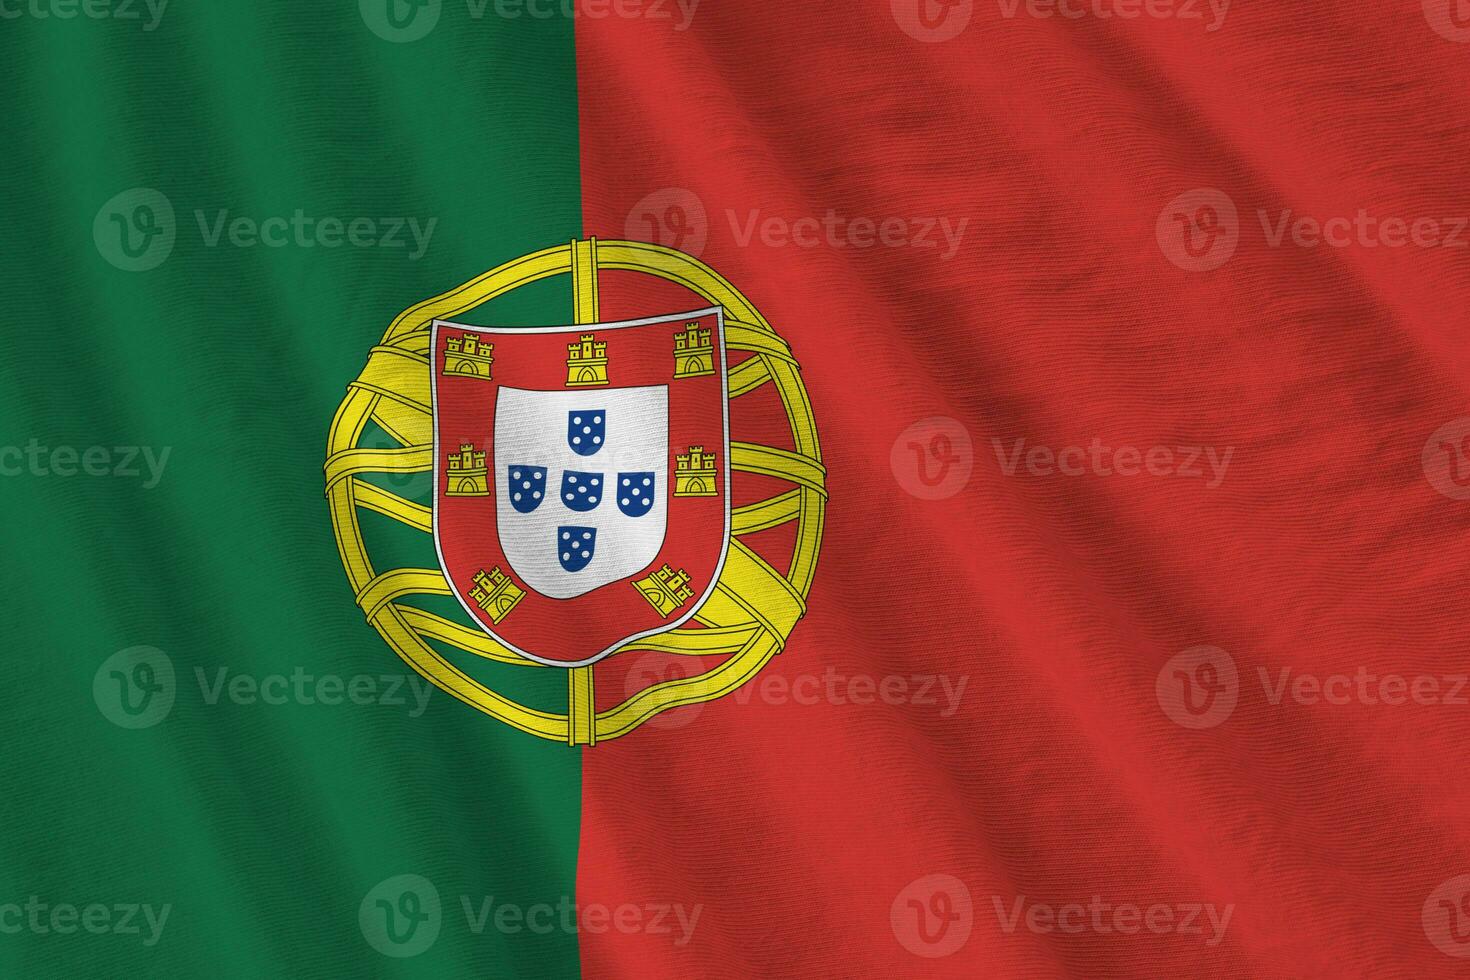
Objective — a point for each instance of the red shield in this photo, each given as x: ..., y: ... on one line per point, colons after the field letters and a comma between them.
x: 581, y: 478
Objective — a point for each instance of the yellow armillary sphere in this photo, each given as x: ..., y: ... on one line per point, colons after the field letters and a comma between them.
x: 752, y: 608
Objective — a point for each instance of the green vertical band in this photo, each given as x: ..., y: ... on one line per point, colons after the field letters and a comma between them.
x: 212, y: 212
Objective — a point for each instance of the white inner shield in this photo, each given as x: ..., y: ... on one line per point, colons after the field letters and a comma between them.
x: 531, y: 430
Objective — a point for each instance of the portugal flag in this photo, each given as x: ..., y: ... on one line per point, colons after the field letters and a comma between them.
x: 712, y: 489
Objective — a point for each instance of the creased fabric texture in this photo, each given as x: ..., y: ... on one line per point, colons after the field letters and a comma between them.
x: 1077, y: 310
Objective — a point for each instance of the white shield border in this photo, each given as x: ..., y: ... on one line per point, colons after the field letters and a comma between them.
x: 434, y: 354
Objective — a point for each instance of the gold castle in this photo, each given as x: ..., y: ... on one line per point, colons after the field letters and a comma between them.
x: 466, y: 356
x: 587, y: 362
x: 495, y: 593
x: 694, y: 474
x: 694, y: 355
x: 666, y: 590
x: 468, y: 475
